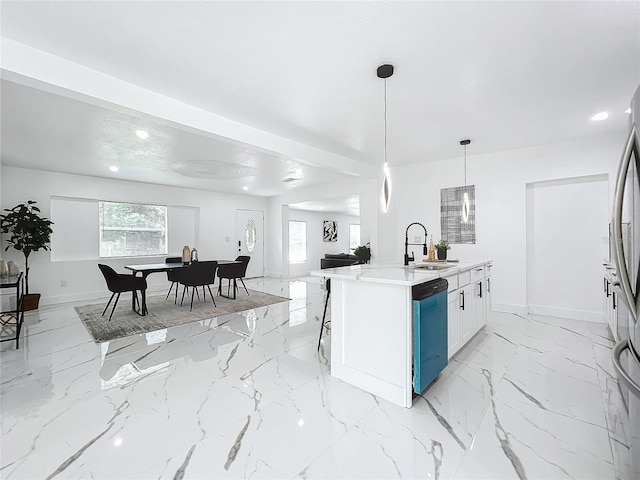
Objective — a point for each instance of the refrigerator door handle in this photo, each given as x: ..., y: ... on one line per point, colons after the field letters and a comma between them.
x: 631, y: 299
x: 622, y: 374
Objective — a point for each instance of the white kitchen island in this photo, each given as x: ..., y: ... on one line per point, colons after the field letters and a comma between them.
x: 372, y: 320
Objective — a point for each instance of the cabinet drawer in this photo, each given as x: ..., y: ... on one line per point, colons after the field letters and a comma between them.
x: 453, y: 281
x: 477, y: 273
x: 464, y: 278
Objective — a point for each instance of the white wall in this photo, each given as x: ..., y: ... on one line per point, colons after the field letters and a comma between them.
x: 217, y: 221
x: 316, y: 246
x: 567, y: 241
x: 500, y: 179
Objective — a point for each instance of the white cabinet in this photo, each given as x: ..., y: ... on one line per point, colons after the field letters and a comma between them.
x: 469, y: 306
x: 479, y: 295
x: 467, y: 313
x: 487, y: 298
x: 453, y: 323
x: 610, y: 301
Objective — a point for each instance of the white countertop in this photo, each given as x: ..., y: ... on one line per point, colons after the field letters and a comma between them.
x: 395, y: 274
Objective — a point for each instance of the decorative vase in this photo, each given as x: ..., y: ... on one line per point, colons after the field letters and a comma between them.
x: 442, y: 253
x: 194, y: 254
x: 14, y: 268
x: 186, y: 255
x: 4, y: 269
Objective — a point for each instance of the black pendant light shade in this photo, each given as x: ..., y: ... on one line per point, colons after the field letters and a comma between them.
x: 385, y: 71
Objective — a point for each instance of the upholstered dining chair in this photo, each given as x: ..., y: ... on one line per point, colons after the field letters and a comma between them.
x: 245, y: 262
x: 198, y: 274
x: 118, y: 283
x: 231, y: 272
x: 172, y: 276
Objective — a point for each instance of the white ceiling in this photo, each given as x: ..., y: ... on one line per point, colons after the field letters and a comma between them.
x: 504, y: 74
x: 349, y: 205
x: 52, y: 132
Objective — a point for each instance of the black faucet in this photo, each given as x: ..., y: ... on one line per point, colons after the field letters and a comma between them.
x: 411, y: 258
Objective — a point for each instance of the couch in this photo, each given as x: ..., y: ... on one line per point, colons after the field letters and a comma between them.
x: 332, y: 260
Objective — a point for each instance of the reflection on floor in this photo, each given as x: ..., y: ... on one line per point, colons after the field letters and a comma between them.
x: 248, y: 396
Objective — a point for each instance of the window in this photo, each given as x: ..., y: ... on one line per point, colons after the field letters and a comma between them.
x: 297, y: 241
x: 132, y: 229
x: 354, y: 236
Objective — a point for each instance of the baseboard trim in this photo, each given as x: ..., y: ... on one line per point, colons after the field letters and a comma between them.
x: 298, y: 275
x: 509, y: 308
x: 586, y: 315
x: 276, y: 275
x: 91, y: 296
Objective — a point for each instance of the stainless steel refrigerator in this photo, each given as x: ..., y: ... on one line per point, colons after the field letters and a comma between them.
x: 626, y: 209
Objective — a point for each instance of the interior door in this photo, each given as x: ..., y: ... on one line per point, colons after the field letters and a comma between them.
x: 250, y: 239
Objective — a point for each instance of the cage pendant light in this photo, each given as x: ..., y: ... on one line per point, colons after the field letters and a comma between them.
x: 384, y: 72
x: 466, y: 203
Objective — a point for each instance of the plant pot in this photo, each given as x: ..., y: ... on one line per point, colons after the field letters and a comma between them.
x: 442, y: 254
x: 30, y: 301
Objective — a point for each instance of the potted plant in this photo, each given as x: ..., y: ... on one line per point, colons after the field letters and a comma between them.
x: 29, y: 232
x: 363, y: 252
x: 442, y: 248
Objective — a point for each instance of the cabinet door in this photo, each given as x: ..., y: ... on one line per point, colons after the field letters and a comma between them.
x: 480, y: 291
x: 453, y: 327
x: 610, y: 305
x: 487, y: 299
x: 467, y: 312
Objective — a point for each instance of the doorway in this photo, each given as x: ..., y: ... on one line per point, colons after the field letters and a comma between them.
x: 250, y: 239
x: 567, y: 241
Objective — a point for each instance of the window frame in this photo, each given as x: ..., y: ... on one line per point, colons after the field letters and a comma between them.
x: 305, y: 242
x: 101, y: 230
x: 359, y: 236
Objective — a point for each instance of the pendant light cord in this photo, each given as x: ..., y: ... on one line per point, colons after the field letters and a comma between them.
x: 385, y: 120
x: 465, y: 165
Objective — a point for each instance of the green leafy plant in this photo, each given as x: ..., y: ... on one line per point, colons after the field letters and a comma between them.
x: 442, y: 245
x: 363, y: 252
x: 29, y: 232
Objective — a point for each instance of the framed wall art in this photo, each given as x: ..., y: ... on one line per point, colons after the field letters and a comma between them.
x: 330, y: 231
x: 458, y: 214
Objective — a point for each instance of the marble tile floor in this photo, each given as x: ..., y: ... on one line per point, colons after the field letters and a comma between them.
x: 248, y: 396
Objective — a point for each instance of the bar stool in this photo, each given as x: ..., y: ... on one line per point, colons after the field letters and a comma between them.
x: 327, y: 284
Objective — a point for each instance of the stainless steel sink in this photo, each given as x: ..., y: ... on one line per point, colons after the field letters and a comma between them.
x: 432, y: 267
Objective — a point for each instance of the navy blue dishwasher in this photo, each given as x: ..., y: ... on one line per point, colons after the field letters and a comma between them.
x: 429, y: 332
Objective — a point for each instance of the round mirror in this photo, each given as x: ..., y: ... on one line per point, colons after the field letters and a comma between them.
x: 250, y: 234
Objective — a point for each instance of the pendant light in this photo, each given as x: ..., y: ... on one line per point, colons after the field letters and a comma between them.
x: 466, y: 204
x: 385, y: 71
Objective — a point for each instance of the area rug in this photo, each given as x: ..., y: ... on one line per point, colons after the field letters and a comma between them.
x: 163, y: 313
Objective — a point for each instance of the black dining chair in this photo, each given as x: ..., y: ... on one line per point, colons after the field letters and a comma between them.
x: 230, y: 272
x: 118, y: 283
x: 172, y: 276
x: 245, y: 262
x: 198, y: 274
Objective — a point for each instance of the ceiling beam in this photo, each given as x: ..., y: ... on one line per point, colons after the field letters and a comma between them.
x: 35, y: 68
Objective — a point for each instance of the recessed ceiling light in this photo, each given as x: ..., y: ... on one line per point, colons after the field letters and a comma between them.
x: 142, y: 134
x: 113, y: 168
x: 628, y: 111
x: 600, y: 116
x: 245, y: 188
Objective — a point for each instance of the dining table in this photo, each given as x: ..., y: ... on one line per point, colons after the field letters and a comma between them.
x: 146, y: 269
